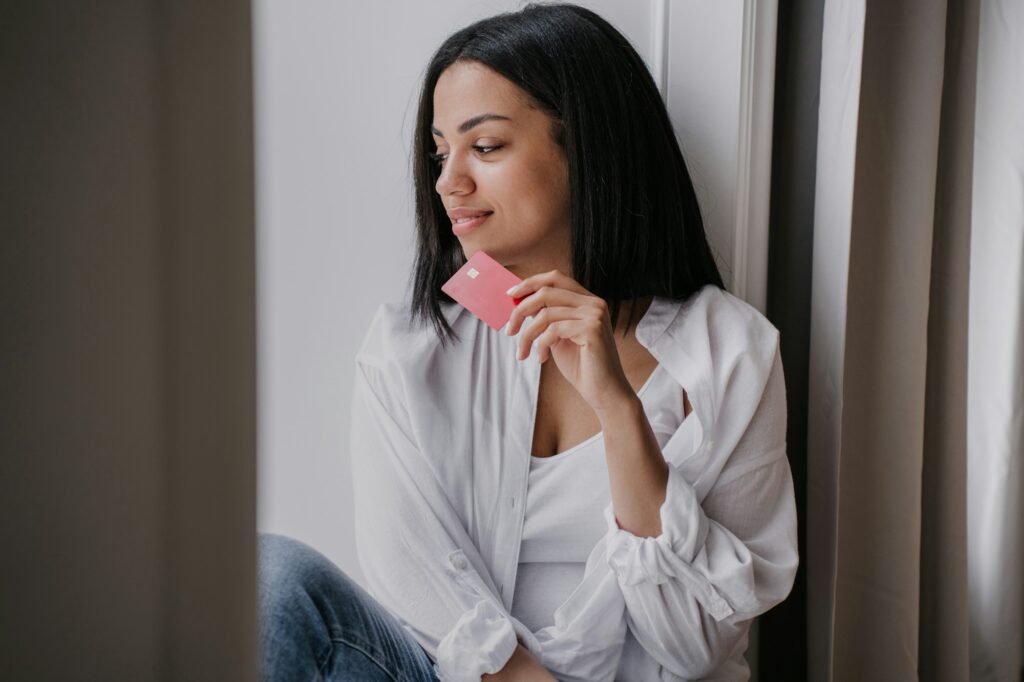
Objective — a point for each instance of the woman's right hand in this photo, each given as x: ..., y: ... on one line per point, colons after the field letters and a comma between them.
x: 522, y: 666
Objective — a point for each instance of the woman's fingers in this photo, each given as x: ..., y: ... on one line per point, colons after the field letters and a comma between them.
x: 557, y: 331
x: 547, y: 297
x: 552, y: 278
x: 541, y: 322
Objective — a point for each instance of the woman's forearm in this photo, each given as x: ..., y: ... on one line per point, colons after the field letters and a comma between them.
x: 637, y: 471
x: 522, y: 666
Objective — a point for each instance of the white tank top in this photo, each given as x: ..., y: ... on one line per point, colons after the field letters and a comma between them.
x: 565, y: 501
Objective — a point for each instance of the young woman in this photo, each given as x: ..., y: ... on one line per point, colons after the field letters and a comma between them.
x: 575, y: 497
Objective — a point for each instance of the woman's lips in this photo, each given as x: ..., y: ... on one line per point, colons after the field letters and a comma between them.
x: 465, y: 226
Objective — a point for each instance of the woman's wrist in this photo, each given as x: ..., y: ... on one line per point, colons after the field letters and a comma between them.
x: 521, y: 666
x: 623, y: 402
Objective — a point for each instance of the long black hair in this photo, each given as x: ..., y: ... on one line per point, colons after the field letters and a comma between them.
x: 635, y: 223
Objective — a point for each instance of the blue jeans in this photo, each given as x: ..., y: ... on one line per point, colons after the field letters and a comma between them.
x: 316, y: 623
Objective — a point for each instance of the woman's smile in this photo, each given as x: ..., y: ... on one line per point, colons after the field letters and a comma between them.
x: 463, y: 226
x: 465, y: 219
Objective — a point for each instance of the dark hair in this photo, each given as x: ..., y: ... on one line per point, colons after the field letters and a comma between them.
x: 635, y: 223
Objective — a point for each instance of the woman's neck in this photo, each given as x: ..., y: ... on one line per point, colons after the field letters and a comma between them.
x: 637, y: 306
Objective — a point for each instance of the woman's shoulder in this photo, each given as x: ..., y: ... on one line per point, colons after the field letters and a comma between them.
x: 723, y: 346
x: 723, y: 321
x: 415, y: 377
x: 396, y: 337
x: 724, y: 351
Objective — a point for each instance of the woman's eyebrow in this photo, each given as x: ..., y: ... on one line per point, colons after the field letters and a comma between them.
x: 471, y: 123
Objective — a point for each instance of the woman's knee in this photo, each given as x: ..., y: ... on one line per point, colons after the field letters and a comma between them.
x: 282, y: 554
x: 302, y: 590
x: 312, y: 607
x: 288, y: 569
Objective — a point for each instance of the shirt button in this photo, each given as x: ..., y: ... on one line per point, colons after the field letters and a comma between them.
x: 460, y: 563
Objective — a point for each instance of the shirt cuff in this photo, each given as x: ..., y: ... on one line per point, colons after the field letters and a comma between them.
x: 669, y: 556
x: 482, y: 641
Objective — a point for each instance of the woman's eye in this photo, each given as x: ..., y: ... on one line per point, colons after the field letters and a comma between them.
x: 439, y: 158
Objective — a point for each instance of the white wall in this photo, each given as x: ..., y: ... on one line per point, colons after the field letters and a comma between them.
x: 336, y: 88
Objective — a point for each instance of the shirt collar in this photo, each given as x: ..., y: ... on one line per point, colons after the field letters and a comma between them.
x: 451, y: 311
x: 657, y: 318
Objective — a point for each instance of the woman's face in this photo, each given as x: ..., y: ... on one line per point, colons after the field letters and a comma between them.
x: 510, y: 167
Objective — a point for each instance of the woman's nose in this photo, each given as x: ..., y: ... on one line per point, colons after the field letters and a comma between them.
x: 454, y: 177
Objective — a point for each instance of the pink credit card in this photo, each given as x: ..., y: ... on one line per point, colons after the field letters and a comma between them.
x: 480, y: 286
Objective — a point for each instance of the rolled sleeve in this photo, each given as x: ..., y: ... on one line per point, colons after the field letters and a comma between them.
x: 482, y: 641
x: 691, y: 592
x: 668, y: 556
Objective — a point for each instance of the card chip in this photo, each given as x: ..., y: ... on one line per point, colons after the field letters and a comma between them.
x: 473, y: 272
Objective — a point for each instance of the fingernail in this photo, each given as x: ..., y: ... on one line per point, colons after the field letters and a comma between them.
x: 512, y: 290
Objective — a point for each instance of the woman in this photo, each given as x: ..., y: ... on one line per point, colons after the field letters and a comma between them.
x: 617, y: 505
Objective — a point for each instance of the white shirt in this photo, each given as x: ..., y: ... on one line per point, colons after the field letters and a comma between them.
x: 440, y: 444
x: 565, y: 500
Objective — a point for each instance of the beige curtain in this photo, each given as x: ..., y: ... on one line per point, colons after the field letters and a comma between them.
x: 887, y: 443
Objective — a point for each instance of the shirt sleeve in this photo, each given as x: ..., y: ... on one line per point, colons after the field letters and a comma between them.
x: 692, y: 591
x: 418, y: 560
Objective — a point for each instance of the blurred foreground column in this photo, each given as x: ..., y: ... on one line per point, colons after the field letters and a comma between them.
x: 127, y: 360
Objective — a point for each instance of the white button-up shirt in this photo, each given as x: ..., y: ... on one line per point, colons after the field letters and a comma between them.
x: 440, y: 448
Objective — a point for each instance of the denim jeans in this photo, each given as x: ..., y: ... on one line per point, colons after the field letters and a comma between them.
x: 316, y: 623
